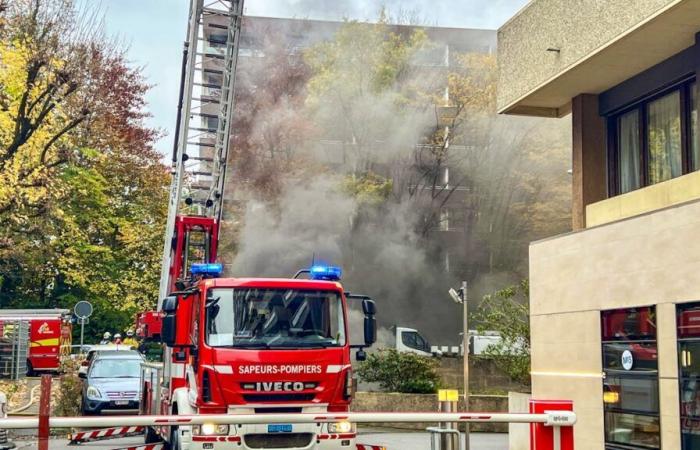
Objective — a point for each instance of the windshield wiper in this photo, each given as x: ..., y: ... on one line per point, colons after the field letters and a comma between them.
x: 251, y: 345
x: 298, y: 344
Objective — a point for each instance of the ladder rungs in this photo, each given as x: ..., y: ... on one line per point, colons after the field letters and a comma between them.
x: 205, y: 130
x: 202, y: 158
x: 216, y: 12
x: 212, y: 71
x: 202, y: 114
x: 210, y: 55
x: 201, y: 144
x: 204, y: 100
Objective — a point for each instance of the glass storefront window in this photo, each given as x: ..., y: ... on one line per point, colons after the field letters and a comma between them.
x: 632, y: 324
x: 625, y: 393
x: 688, y: 321
x: 631, y: 384
x: 638, y: 356
x: 632, y: 430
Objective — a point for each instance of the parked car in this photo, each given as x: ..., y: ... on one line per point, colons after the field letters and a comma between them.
x: 94, y: 350
x: 112, y: 382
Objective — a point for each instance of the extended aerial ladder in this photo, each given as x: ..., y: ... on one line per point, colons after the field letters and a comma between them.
x: 202, y: 136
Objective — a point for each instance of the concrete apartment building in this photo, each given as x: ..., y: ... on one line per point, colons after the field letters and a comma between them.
x: 297, y: 35
x: 615, y: 304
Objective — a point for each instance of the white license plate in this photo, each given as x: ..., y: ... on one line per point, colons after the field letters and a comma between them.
x: 121, y: 402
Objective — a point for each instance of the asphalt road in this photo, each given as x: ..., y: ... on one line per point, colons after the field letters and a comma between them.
x: 391, y: 440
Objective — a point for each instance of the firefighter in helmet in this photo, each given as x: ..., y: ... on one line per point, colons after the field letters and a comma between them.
x: 130, y: 340
x: 106, y: 338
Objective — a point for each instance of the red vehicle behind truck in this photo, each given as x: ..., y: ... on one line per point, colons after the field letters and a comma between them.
x: 49, y: 335
x: 256, y: 346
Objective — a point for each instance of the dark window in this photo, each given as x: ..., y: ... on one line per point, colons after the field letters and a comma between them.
x: 689, y: 377
x: 694, y: 148
x: 654, y: 140
x: 631, y: 385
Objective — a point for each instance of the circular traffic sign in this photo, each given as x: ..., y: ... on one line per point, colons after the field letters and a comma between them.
x: 83, y: 309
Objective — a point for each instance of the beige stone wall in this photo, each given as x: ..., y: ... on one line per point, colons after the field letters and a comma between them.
x: 577, y: 28
x: 651, y: 198
x: 652, y: 259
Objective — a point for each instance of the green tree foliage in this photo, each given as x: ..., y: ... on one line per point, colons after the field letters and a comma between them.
x: 507, y: 312
x: 83, y: 194
x: 361, y: 91
x: 401, y: 372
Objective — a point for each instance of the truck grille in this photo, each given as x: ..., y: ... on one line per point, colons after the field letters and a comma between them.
x: 3, y: 436
x: 278, y: 397
x: 279, y: 410
x: 287, y: 440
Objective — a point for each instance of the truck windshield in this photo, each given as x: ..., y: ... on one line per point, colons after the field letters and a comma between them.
x: 274, y: 318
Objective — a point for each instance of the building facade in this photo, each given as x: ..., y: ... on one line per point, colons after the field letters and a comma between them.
x: 615, y: 304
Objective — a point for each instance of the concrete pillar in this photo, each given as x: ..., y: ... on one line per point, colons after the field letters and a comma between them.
x: 589, y: 163
x: 667, y: 351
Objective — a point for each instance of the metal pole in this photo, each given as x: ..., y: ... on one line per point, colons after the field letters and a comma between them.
x: 44, y: 412
x: 446, y: 439
x: 465, y: 344
x: 82, y: 332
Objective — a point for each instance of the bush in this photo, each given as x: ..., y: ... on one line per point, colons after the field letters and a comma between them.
x: 70, y: 390
x: 401, y: 372
x: 508, y: 312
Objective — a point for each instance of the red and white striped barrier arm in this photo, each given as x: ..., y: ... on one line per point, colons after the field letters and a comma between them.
x: 143, y: 447
x: 105, y: 433
x: 549, y: 418
x: 370, y: 447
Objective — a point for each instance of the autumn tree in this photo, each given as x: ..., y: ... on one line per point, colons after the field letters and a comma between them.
x: 82, y: 190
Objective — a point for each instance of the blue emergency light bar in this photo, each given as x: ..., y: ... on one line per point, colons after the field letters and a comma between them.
x: 207, y: 269
x: 328, y: 273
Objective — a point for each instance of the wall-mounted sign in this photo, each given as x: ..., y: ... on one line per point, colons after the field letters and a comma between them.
x: 627, y: 360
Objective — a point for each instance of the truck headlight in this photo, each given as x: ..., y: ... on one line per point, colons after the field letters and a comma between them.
x: 210, y: 429
x: 341, y: 427
x: 93, y: 393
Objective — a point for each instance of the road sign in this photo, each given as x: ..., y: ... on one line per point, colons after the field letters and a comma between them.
x: 83, y: 309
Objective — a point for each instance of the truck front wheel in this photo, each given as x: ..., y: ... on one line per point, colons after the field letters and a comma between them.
x: 151, y: 436
x: 174, y: 443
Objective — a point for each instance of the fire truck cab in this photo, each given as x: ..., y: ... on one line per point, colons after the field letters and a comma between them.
x: 256, y: 346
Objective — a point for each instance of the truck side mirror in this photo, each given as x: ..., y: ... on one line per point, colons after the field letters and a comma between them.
x: 370, y: 330
x: 168, y: 330
x: 369, y: 307
x: 170, y: 304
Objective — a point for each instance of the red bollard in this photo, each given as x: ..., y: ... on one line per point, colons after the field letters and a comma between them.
x: 44, y: 412
x: 542, y: 437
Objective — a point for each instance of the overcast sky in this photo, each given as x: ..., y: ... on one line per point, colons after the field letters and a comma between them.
x: 154, y: 31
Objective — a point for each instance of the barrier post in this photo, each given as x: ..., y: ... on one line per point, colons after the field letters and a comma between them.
x: 447, y: 398
x: 44, y: 412
x: 556, y: 433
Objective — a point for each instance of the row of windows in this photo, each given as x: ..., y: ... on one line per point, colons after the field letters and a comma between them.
x: 631, y: 385
x: 654, y: 140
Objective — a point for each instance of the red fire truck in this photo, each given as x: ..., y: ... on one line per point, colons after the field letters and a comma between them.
x: 238, y: 345
x: 49, y: 335
x: 256, y: 346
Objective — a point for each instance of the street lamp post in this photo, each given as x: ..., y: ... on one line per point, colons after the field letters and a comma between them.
x: 461, y: 297
x: 465, y: 358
